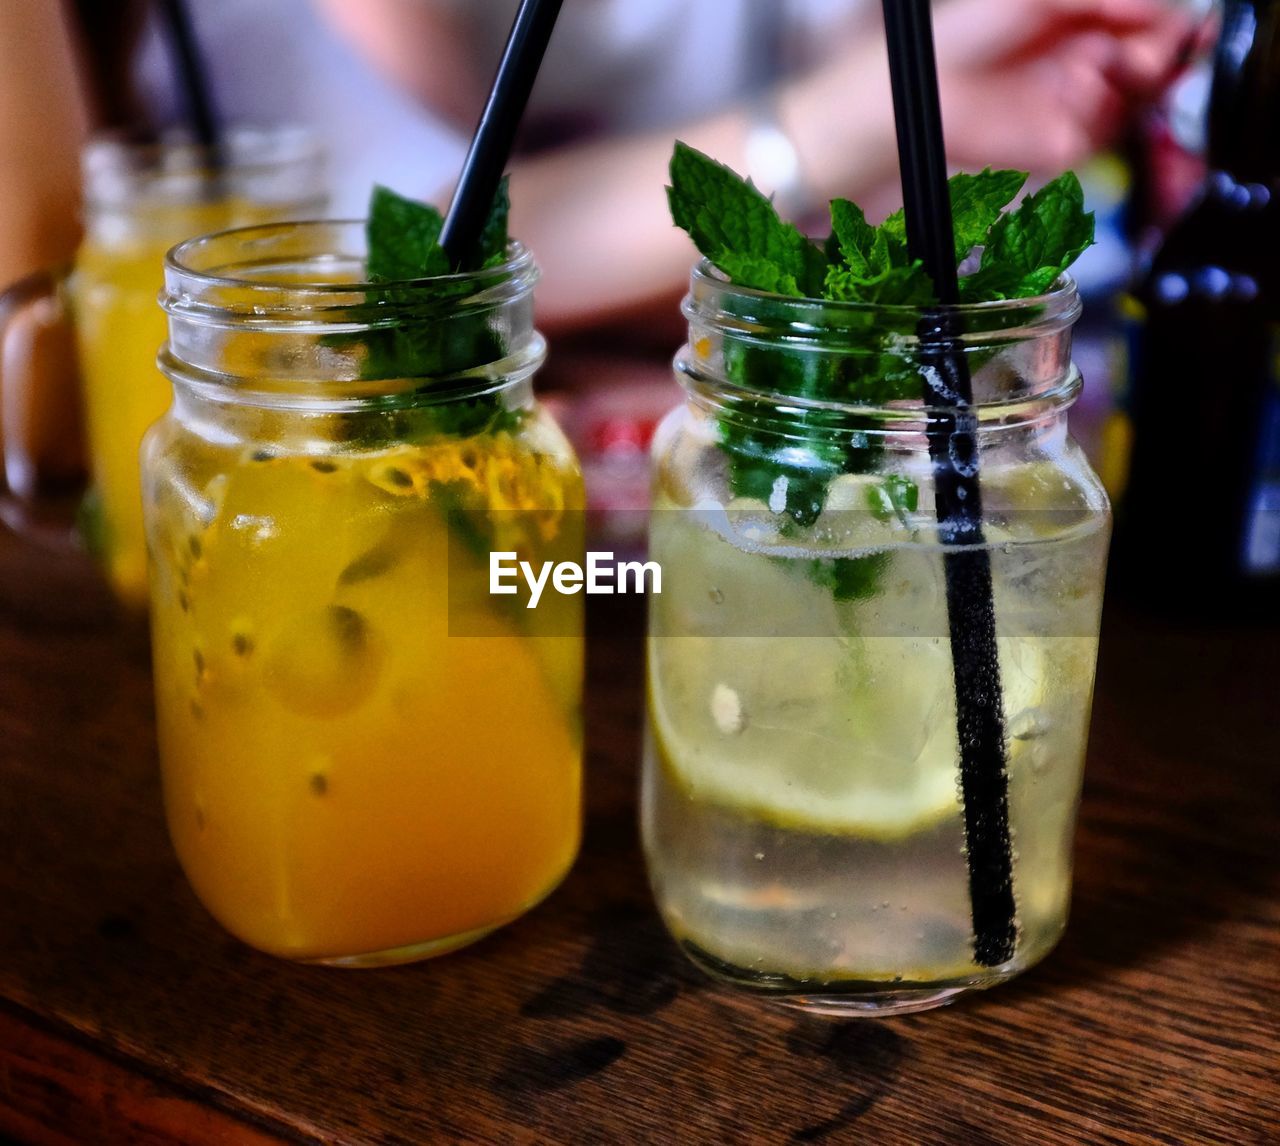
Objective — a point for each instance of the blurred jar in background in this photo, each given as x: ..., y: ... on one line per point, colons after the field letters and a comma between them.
x: 139, y: 200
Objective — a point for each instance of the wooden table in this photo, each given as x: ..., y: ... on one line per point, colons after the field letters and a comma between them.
x: 127, y: 1015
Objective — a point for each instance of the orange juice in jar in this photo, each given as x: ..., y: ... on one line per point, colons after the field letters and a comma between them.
x: 367, y: 759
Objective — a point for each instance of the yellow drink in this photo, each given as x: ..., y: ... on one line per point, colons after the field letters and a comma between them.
x: 141, y: 201
x: 341, y: 775
x: 367, y: 758
x: 119, y: 328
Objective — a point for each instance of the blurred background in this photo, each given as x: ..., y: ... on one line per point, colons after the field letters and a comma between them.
x: 793, y: 92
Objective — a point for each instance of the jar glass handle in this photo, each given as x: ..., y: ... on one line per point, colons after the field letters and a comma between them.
x: 41, y: 419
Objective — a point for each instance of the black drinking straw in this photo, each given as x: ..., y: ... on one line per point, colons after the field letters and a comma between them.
x: 948, y: 397
x: 189, y: 71
x: 491, y: 145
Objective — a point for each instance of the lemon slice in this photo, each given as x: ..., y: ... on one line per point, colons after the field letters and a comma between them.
x: 849, y: 736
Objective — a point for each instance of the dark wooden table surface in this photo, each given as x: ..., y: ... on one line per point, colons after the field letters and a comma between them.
x: 127, y: 1015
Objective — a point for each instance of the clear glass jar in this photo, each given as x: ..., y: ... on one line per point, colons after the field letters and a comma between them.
x: 802, y: 816
x: 139, y: 200
x: 367, y: 758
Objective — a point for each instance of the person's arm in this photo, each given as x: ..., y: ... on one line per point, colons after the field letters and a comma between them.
x: 1034, y: 84
x: 1027, y: 83
x: 594, y: 213
x: 421, y: 47
x: 43, y: 124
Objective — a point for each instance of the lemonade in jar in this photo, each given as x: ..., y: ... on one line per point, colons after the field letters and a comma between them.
x: 806, y: 823
x: 367, y: 759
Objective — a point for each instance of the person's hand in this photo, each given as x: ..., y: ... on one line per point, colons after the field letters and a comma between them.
x: 1042, y: 84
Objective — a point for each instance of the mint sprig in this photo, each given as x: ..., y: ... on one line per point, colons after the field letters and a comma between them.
x: 403, y: 238
x: 1026, y: 250
x: 737, y: 228
x: 977, y: 201
x: 403, y: 245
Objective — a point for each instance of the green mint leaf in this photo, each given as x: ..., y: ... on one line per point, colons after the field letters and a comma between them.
x: 757, y: 459
x: 863, y: 247
x: 403, y: 242
x: 894, y: 286
x: 849, y: 578
x: 403, y: 238
x: 494, y: 237
x: 727, y: 217
x: 895, y: 496
x: 895, y: 227
x: 1027, y: 249
x: 758, y: 273
x: 976, y: 203
x: 876, y: 266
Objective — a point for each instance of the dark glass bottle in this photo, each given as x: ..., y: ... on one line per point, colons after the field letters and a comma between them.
x: 1198, y: 520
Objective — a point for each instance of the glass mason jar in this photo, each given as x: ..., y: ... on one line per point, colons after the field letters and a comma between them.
x: 802, y: 812
x: 139, y: 200
x: 367, y: 758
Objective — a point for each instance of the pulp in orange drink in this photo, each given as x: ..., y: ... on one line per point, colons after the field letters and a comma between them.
x: 362, y: 763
